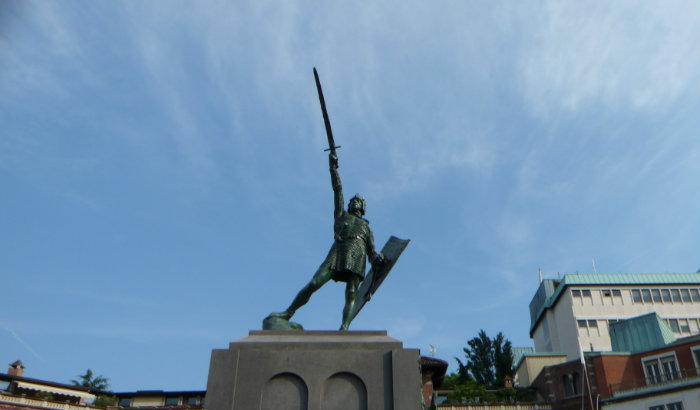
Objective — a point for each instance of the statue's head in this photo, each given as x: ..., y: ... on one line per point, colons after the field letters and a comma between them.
x: 357, y: 204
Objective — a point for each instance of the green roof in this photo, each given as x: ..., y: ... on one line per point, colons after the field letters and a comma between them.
x: 540, y: 304
x: 641, y: 333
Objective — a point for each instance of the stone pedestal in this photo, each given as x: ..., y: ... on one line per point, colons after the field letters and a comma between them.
x: 314, y: 370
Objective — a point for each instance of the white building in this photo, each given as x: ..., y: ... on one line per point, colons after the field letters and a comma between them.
x: 572, y: 313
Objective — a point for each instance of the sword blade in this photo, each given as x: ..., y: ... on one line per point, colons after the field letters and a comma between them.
x: 326, y: 120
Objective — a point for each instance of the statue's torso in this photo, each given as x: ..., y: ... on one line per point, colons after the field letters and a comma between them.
x: 349, y: 252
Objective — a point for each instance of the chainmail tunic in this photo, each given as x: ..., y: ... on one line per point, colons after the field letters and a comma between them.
x: 348, y: 255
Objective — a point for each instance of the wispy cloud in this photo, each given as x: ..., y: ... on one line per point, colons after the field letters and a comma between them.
x: 22, y: 342
x: 624, y: 55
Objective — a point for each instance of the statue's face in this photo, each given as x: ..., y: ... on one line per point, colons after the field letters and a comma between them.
x: 356, y: 205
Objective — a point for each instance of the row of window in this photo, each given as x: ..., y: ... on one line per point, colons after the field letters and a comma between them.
x: 690, y: 326
x: 670, y: 406
x: 647, y: 296
x: 643, y: 296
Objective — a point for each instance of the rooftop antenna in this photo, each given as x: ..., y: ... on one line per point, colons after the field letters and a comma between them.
x: 433, y: 349
x: 594, y: 269
x: 540, y: 274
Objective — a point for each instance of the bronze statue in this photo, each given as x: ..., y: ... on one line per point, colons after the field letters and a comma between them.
x: 346, y: 260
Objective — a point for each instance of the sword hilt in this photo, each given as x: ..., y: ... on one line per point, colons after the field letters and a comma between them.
x: 331, y: 149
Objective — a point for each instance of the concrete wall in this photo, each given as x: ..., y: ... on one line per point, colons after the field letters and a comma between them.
x: 533, y: 365
x: 690, y: 399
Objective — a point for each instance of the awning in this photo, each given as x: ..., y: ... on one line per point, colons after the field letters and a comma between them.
x: 85, y: 396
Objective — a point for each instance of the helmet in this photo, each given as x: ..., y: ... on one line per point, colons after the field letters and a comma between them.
x: 362, y: 203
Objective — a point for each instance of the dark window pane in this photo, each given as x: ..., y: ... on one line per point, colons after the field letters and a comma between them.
x: 656, y: 295
x: 666, y: 295
x: 674, y: 325
x: 172, y: 401
x: 646, y: 295
x: 607, y: 293
x: 636, y: 296
x: 581, y: 324
x: 592, y: 323
x: 676, y: 295
x: 685, y: 294
x: 683, y: 324
x: 695, y: 295
x: 576, y: 293
x: 586, y: 293
x: 616, y: 292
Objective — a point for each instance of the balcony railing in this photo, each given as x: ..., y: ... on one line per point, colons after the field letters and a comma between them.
x: 632, y: 385
x: 6, y: 398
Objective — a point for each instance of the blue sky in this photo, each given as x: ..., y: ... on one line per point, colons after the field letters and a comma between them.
x: 164, y: 185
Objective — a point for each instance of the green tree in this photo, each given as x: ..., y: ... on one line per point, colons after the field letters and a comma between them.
x: 479, y: 360
x: 91, y: 381
x: 487, y: 361
x: 502, y: 358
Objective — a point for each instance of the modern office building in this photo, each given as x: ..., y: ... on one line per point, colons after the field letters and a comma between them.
x: 575, y: 313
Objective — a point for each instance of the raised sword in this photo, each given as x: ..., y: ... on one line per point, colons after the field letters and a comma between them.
x: 326, y: 120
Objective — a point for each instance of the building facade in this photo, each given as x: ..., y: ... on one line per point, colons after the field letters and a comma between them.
x: 574, y: 313
x: 663, y: 375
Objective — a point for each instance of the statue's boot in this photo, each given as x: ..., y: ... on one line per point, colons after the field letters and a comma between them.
x: 286, y: 315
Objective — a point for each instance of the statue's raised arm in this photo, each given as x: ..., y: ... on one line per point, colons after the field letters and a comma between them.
x: 338, y: 201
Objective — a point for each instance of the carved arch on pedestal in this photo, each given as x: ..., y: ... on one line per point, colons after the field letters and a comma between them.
x: 344, y: 391
x: 285, y: 391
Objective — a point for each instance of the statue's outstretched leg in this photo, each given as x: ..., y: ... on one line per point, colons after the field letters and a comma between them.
x: 350, y: 290
x: 322, y: 275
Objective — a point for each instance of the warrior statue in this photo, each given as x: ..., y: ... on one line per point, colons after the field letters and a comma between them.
x: 347, y: 258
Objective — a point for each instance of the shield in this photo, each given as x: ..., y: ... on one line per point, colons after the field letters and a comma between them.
x: 391, y: 251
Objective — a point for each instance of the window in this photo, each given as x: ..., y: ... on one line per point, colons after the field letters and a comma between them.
x: 675, y: 406
x: 695, y: 295
x: 666, y: 295
x: 683, y: 324
x: 172, y: 401
x: 636, y: 296
x: 661, y: 407
x: 588, y: 327
x: 193, y: 401
x: 696, y: 357
x: 656, y: 295
x: 593, y: 328
x: 582, y: 326
x: 606, y: 293
x: 646, y: 295
x: 685, y: 295
x: 576, y: 295
x: 660, y: 369
x: 124, y: 402
x: 617, y: 296
x: 572, y: 384
x: 653, y: 371
x: 670, y: 368
x: 676, y: 295
x: 694, y: 327
x: 674, y: 325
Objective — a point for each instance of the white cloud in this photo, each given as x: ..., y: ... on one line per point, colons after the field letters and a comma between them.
x: 640, y: 55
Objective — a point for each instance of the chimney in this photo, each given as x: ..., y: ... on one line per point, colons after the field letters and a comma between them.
x: 16, y: 369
